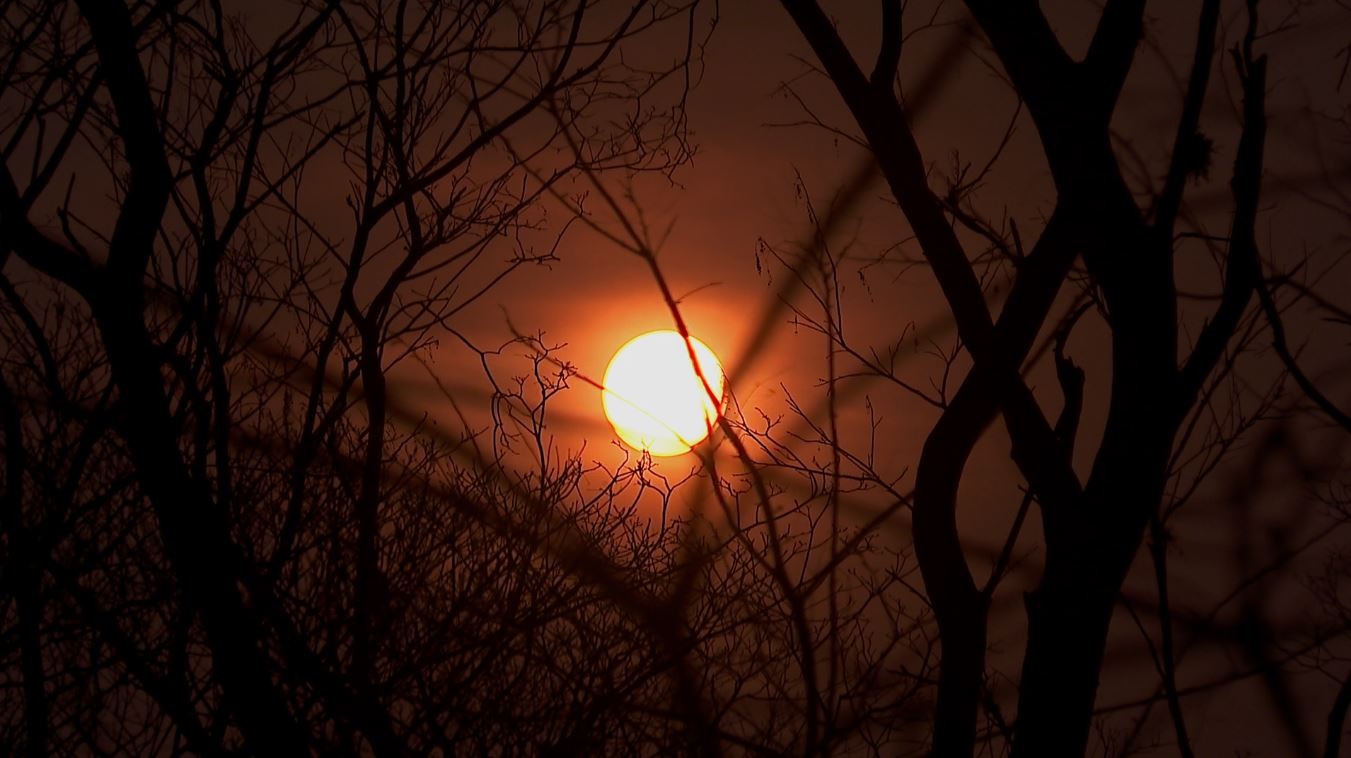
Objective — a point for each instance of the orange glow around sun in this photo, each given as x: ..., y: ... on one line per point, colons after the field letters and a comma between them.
x: 654, y: 399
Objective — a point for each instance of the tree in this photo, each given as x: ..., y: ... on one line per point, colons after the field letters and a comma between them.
x: 163, y: 338
x: 1094, y: 524
x: 236, y: 246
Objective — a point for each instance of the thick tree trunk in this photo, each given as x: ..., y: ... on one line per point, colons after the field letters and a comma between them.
x: 1090, y: 548
x: 1068, y: 620
x: 194, y: 531
x: 959, y: 608
x: 23, y: 576
x: 961, y: 679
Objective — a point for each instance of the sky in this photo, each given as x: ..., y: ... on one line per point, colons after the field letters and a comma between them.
x: 754, y: 160
x: 759, y: 171
x: 741, y: 186
x: 746, y: 184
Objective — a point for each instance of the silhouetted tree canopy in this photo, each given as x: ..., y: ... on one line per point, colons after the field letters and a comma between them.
x: 231, y: 235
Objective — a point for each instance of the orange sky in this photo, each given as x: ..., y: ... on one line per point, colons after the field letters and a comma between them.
x: 741, y: 188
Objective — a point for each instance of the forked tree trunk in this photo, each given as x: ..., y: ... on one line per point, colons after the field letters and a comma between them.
x: 1068, y: 618
x: 1089, y: 551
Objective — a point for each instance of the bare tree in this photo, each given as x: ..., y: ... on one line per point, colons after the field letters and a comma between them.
x: 236, y: 246
x: 200, y: 475
x: 1119, y: 256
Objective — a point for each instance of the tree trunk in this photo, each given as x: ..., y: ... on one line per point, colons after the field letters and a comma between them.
x: 1068, y: 618
x: 194, y: 530
x: 961, y: 680
x: 1089, y: 552
x: 23, y: 577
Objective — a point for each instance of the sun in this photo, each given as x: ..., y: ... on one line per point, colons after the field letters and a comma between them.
x: 653, y: 397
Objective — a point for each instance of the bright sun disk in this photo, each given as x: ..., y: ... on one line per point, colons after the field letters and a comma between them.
x: 654, y: 399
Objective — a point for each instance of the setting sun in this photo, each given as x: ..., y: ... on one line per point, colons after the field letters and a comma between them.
x: 653, y: 397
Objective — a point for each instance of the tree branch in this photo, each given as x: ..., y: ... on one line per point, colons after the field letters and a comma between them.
x: 889, y: 54
x: 138, y: 125
x: 1185, y: 145
x: 1243, y: 267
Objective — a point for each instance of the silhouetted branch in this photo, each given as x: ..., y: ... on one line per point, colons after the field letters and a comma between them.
x: 1158, y: 548
x: 1189, y: 148
x: 889, y: 52
x: 1332, y: 747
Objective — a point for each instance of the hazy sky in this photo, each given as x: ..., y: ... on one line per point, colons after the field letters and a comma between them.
x: 741, y: 187
x: 741, y: 184
x: 758, y: 167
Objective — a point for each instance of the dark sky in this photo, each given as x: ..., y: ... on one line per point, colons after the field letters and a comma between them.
x: 741, y: 187
x: 759, y: 168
